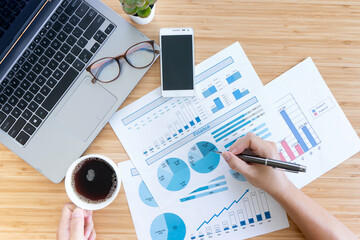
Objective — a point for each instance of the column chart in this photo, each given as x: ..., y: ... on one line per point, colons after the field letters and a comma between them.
x: 302, y: 138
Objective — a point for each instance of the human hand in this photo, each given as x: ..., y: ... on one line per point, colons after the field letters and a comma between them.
x: 76, y: 224
x: 261, y: 176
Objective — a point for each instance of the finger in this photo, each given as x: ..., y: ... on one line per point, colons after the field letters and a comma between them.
x: 77, y: 224
x: 64, y: 225
x: 89, y: 225
x: 253, y: 142
x: 92, y: 235
x: 236, y: 163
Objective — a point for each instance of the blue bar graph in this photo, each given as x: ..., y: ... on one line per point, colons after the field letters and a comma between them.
x: 186, y: 127
x: 262, y: 131
x: 198, y: 119
x: 233, y: 77
x: 192, y: 123
x: 180, y: 130
x: 237, y: 94
x: 210, y: 91
x: 309, y: 136
x: 266, y: 136
x: 267, y: 215
x: 259, y: 217
x: 204, y: 194
x: 242, y: 223
x: 294, y: 130
x: 251, y: 220
x: 209, y: 187
x: 219, y: 105
x: 232, y: 131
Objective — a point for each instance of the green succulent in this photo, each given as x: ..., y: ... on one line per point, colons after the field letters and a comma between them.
x: 141, y: 8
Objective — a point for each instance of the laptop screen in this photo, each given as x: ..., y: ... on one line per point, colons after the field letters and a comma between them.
x: 14, y: 18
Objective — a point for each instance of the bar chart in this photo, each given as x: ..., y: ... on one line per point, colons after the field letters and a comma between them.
x: 239, y: 94
x: 302, y: 138
x: 232, y: 78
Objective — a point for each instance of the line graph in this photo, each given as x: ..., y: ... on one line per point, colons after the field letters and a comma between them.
x: 225, y: 208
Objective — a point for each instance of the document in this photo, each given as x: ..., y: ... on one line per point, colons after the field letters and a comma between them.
x: 171, y: 140
x: 227, y: 207
x: 318, y: 134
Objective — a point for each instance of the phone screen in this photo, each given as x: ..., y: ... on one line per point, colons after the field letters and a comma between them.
x: 177, y: 62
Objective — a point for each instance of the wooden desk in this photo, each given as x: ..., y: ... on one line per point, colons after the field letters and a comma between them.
x: 275, y: 34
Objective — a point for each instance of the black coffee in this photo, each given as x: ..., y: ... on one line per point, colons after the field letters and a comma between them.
x: 94, y: 180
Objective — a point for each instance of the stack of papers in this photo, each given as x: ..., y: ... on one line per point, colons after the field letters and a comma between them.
x: 177, y: 188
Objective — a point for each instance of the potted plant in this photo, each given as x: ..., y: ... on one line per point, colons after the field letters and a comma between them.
x: 140, y: 11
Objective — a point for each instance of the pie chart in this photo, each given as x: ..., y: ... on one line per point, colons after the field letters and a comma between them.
x: 237, y: 176
x: 168, y: 226
x: 146, y: 196
x: 173, y: 174
x: 202, y: 157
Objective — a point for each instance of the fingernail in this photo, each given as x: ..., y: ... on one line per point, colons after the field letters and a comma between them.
x: 226, y: 156
x: 77, y: 213
x: 234, y: 150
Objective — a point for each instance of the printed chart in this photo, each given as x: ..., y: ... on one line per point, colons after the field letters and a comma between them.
x: 303, y: 137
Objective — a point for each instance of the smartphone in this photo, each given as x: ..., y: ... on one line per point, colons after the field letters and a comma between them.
x: 177, y: 62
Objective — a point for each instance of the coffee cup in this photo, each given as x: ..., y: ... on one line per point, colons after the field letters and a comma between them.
x: 92, y: 182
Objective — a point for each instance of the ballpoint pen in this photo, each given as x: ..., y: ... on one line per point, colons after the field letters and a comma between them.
x: 291, y: 167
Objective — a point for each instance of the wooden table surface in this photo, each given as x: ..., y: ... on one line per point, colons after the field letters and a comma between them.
x: 275, y: 34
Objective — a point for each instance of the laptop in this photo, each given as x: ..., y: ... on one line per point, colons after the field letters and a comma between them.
x: 50, y: 112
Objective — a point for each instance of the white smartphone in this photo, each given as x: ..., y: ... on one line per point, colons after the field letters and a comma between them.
x: 177, y: 62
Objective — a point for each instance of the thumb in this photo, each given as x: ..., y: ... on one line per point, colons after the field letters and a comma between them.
x: 77, y: 225
x: 236, y: 163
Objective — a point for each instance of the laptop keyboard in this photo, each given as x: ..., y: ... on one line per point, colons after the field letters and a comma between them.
x: 49, y: 66
x: 9, y: 10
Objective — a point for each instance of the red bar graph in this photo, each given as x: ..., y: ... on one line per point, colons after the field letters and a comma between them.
x: 288, y: 150
x: 299, y: 149
x: 282, y: 157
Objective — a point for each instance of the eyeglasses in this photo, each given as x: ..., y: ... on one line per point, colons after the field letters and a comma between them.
x: 140, y: 55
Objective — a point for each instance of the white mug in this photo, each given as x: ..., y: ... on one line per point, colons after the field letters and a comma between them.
x: 69, y: 186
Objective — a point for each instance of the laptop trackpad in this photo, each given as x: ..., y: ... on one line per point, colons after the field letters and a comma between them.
x: 85, y: 109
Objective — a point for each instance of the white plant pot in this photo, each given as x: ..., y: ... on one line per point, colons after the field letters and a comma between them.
x: 143, y: 21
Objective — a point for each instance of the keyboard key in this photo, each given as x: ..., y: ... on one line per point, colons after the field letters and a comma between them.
x: 42, y: 32
x: 31, y: 76
x: 44, y: 60
x: 28, y: 96
x: 26, y: 114
x: 62, y: 36
x: 71, y: 40
x: 16, y: 112
x: 65, y: 48
x: 74, y: 20
x: 70, y: 58
x: 20, y: 74
x: 13, y: 100
x: 82, y: 9
x: 22, y: 104
x: 55, y: 44
x: 17, y: 127
x: 29, y: 129
x: 102, y: 38
x: 7, y: 124
x: 16, y: 67
x: 53, y: 64
x: 78, y: 65
x: 50, y: 52
x: 57, y: 26
x: 10, y: 75
x: 87, y: 19
x: 34, y: 88
x: 22, y: 138
x: 45, y: 90
x: 40, y: 80
x: 51, y: 34
x: 37, y: 68
x: 45, y: 42
x: 21, y: 61
x: 68, y: 28
x: 33, y: 106
x: 48, y: 25
x: 64, y: 66
x: 59, y: 56
x: 64, y: 3
x: 41, y: 113
x: 76, y: 50
x: 26, y: 66
x: 59, y: 10
x: 26, y: 53
x: 39, y: 50
x: 37, y: 39
x: 39, y: 98
x: 54, y: 17
x: 109, y: 29
x: 57, y: 74
x: 98, y: 35
x: 8, y: 91
x: 35, y: 120
x: 46, y: 72
x: 85, y: 56
x: 32, y: 46
x: 95, y: 47
x: 19, y: 92
x: 77, y: 32
x: 33, y: 58
x: 94, y: 26
x: 2, y: 117
x: 25, y: 84
x: 60, y: 89
x: 14, y: 83
x: 63, y: 18
x: 51, y: 82
x: 72, y: 7
x: 7, y: 108
x: 82, y: 42
x: 3, y: 98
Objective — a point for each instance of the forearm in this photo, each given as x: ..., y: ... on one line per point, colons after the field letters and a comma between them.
x: 313, y: 220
